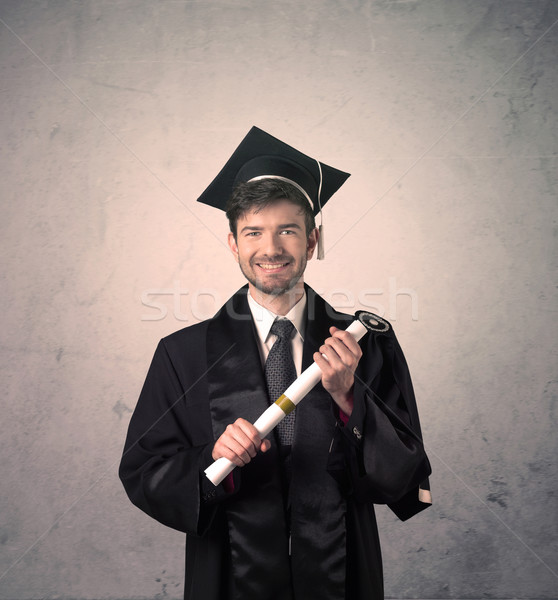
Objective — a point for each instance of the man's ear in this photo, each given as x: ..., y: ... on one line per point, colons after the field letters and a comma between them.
x: 233, y: 245
x: 312, y: 242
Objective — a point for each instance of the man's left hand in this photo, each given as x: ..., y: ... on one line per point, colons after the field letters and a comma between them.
x: 342, y: 354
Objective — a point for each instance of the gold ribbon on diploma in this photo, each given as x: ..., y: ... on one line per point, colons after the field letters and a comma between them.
x: 285, y: 404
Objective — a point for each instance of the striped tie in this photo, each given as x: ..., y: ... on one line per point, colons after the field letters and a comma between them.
x: 280, y: 372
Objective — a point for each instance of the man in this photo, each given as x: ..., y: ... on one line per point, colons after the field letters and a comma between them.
x: 295, y: 520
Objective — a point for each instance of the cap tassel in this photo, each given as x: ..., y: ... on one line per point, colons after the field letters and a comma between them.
x: 321, y: 247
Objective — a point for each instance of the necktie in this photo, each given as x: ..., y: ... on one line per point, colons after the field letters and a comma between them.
x: 280, y: 372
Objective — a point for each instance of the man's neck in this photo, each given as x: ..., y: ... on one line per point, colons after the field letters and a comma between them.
x: 279, y: 304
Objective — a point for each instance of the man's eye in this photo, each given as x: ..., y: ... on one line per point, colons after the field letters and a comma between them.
x: 287, y: 232
x: 252, y: 234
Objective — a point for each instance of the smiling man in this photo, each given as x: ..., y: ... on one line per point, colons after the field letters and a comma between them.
x: 296, y: 521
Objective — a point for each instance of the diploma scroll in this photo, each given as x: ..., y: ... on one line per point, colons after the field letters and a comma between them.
x: 287, y: 402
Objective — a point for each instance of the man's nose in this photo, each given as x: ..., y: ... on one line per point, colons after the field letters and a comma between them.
x: 272, y: 245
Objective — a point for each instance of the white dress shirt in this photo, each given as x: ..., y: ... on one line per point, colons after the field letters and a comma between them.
x: 263, y: 319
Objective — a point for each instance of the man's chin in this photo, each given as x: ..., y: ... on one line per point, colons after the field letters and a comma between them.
x: 275, y: 288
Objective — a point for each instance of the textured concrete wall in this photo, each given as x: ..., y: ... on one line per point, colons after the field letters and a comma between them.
x: 114, y: 117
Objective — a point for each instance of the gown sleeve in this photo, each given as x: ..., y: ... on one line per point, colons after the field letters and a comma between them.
x: 168, y: 446
x: 378, y: 454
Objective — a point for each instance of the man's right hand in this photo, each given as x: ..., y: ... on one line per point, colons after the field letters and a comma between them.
x: 239, y: 443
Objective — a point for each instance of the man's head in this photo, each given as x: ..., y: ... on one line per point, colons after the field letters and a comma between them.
x: 273, y: 234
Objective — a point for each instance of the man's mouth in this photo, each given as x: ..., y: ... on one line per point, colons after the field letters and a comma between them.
x: 270, y: 267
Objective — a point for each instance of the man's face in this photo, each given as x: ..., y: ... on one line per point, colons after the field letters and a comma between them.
x: 272, y: 247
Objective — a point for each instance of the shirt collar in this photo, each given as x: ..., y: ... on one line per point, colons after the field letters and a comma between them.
x: 263, y: 317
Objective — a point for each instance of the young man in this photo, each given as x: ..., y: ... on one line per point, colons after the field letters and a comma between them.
x: 296, y: 520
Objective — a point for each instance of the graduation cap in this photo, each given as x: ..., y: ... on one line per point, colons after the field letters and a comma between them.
x: 262, y: 156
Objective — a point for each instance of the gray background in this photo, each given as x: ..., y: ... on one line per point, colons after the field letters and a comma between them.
x: 114, y: 117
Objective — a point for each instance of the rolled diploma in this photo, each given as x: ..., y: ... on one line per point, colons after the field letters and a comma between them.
x: 286, y: 403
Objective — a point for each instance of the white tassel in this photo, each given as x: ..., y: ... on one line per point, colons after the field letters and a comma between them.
x: 321, y: 249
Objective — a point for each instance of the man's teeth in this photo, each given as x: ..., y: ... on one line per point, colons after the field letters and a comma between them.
x: 271, y: 267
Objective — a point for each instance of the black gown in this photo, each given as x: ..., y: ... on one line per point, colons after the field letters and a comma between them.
x: 204, y: 377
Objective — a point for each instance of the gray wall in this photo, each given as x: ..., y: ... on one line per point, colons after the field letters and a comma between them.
x: 114, y: 117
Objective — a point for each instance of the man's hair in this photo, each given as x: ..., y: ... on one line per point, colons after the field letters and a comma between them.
x: 256, y: 195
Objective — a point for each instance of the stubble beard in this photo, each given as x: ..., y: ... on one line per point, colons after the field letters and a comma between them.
x: 272, y: 289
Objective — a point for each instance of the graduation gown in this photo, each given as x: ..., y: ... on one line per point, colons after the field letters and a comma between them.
x: 206, y: 376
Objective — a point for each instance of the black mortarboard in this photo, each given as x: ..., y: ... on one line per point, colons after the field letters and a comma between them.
x: 261, y: 155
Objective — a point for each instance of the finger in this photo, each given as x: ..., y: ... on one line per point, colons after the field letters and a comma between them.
x: 332, y: 356
x: 335, y: 350
x: 231, y: 450
x: 346, y: 348
x: 240, y: 456
x: 247, y: 432
x: 253, y: 435
x: 347, y: 339
x: 323, y: 363
x: 236, y: 446
x: 237, y: 440
x: 248, y: 429
x: 240, y: 439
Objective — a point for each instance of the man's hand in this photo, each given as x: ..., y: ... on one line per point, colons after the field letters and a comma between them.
x: 239, y: 443
x: 342, y: 354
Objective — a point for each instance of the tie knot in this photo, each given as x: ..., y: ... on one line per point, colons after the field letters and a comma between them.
x: 282, y: 328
